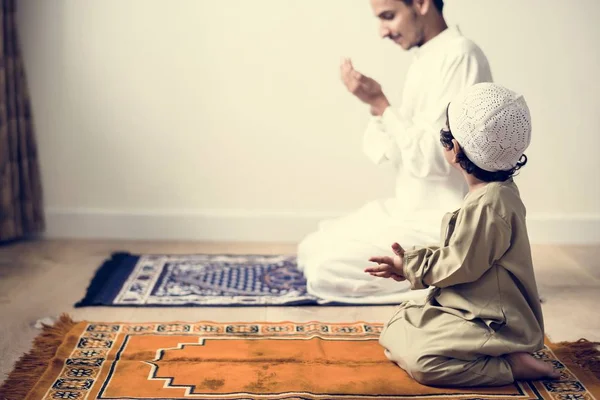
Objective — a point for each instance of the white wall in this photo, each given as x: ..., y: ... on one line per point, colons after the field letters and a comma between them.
x: 206, y: 119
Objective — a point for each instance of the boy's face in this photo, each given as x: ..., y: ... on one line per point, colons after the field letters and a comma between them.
x: 448, y: 153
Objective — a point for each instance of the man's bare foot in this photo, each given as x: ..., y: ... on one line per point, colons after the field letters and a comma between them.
x: 526, y: 368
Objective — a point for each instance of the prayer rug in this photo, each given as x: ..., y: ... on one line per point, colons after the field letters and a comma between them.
x: 199, y: 280
x: 259, y: 360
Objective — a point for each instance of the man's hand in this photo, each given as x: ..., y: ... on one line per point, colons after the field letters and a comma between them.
x: 366, y: 89
x: 389, y: 267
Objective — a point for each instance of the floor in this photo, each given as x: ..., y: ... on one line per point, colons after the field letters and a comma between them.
x: 41, y: 279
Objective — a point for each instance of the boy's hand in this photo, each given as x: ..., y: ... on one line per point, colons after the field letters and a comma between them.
x: 389, y: 267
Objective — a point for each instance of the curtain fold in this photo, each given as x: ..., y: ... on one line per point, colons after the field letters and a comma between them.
x: 21, y: 200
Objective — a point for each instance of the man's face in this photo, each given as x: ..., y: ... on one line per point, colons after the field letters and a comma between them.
x: 399, y: 22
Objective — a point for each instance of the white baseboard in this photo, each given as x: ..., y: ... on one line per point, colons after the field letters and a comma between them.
x: 205, y: 225
x: 262, y: 226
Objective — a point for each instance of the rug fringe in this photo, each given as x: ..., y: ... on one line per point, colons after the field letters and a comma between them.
x: 30, y: 367
x: 584, y: 354
x: 100, y: 277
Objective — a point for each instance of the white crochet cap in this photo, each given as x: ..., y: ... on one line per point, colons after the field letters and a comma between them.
x: 492, y: 125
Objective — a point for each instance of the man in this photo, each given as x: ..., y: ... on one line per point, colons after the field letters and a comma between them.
x: 333, y: 258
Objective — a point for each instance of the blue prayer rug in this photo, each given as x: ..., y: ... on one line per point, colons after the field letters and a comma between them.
x: 198, y: 280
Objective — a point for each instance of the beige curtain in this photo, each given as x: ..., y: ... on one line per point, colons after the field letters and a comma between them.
x: 21, y: 209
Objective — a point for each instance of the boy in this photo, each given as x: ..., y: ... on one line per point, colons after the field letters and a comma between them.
x: 483, y: 317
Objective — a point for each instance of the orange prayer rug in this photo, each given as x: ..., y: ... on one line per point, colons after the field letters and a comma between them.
x: 283, y: 360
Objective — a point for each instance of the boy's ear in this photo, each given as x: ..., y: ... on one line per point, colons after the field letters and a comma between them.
x: 455, y: 150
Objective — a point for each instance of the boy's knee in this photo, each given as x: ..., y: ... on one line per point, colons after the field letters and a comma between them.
x: 424, y: 376
x: 404, y: 360
x: 427, y: 370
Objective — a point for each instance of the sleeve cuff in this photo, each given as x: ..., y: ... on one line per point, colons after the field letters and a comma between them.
x: 394, y: 123
x: 411, y: 265
x: 376, y: 141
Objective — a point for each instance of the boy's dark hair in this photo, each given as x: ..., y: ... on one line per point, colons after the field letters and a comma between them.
x: 468, y: 165
x: 439, y: 4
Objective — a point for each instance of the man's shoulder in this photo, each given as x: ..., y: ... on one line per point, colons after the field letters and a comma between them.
x: 460, y: 47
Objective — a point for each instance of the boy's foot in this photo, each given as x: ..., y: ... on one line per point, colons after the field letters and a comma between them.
x: 526, y: 368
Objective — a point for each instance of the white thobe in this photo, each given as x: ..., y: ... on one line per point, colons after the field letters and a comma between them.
x: 334, y: 257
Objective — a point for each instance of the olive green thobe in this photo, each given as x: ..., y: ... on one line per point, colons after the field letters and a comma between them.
x: 484, y: 302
